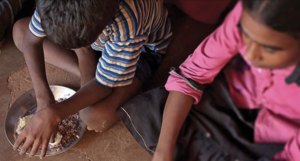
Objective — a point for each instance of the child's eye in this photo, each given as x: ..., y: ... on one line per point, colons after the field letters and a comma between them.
x: 269, y: 50
x: 245, y: 35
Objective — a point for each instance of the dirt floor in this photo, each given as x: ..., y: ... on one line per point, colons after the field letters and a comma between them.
x: 116, y: 144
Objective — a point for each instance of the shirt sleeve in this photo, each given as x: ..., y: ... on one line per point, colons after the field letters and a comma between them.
x: 121, y: 52
x: 210, y: 56
x: 99, y: 44
x: 291, y: 150
x: 35, y: 26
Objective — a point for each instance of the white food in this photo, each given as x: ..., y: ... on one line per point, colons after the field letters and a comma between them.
x: 57, y: 139
x: 22, y: 122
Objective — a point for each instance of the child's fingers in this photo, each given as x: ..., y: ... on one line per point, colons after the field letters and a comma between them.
x: 35, y: 148
x: 53, y: 136
x: 21, y: 138
x: 44, y: 149
x: 26, y: 146
x: 52, y: 139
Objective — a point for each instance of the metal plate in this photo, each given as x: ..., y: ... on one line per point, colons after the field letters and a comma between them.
x: 26, y: 105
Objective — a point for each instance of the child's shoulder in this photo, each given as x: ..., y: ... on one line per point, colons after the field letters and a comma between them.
x: 233, y: 18
x: 125, y: 22
x: 237, y: 10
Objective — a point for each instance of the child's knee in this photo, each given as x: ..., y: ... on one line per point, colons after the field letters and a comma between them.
x: 19, y: 30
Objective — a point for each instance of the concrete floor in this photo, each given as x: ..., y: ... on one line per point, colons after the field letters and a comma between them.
x: 116, y: 144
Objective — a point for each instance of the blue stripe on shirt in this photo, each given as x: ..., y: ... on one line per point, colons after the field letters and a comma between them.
x: 37, y: 30
x: 120, y: 60
x: 128, y: 33
x: 112, y: 73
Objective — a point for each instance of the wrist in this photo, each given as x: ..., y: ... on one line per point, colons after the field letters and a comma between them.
x: 54, y: 111
x: 163, y: 155
x: 44, y: 96
x: 166, y: 150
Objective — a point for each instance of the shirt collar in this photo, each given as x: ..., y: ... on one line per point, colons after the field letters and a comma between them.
x: 294, y: 77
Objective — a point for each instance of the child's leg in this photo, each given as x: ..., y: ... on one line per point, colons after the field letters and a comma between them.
x: 19, y: 30
x: 102, y: 115
x: 62, y: 58
x: 87, y: 63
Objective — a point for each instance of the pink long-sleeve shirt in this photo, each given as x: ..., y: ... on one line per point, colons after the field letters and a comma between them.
x: 250, y: 87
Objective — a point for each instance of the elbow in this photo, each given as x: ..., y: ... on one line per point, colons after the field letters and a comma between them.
x: 105, y: 89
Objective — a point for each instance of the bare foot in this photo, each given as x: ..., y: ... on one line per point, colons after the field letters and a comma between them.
x: 91, y: 129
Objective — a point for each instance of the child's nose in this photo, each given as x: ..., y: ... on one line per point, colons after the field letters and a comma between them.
x: 252, y: 52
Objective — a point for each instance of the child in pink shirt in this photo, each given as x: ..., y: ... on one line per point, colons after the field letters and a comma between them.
x: 251, y: 114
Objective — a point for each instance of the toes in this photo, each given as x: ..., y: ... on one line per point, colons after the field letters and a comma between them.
x: 89, y: 128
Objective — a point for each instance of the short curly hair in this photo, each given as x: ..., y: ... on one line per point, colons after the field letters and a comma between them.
x: 75, y: 23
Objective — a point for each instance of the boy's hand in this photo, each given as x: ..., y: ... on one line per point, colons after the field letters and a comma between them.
x: 38, y: 131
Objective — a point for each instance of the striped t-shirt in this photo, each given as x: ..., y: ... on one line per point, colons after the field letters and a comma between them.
x: 138, y: 23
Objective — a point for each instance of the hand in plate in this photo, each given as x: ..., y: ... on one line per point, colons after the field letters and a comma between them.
x: 37, y: 132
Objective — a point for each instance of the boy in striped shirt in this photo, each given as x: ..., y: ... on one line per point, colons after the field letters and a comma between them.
x: 132, y: 36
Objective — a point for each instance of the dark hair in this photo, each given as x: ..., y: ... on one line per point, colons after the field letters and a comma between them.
x: 75, y: 23
x: 280, y: 15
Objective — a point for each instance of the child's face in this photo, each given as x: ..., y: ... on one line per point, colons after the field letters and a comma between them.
x: 267, y: 48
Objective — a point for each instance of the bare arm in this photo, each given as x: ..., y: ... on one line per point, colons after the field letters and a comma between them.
x: 32, y: 48
x: 176, y: 110
x: 90, y: 94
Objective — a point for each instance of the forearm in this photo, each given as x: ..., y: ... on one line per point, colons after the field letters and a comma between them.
x: 90, y: 94
x: 176, y: 110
